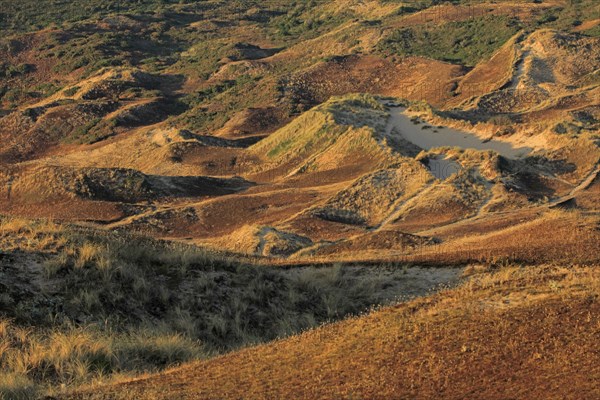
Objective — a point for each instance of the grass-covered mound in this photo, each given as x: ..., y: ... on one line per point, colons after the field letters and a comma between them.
x: 77, y: 305
x: 344, y: 131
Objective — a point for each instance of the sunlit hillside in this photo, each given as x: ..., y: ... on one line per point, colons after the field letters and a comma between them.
x: 299, y: 199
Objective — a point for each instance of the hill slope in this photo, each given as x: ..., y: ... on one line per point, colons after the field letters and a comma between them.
x: 192, y: 163
x: 513, y: 333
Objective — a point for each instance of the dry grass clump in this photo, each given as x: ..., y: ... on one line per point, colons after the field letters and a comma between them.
x: 30, y: 235
x: 16, y: 387
x: 40, y: 360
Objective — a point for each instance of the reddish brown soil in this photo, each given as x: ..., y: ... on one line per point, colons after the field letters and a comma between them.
x: 414, y: 78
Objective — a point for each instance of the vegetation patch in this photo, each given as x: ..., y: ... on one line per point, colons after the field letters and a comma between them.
x: 466, y: 42
x: 93, y: 304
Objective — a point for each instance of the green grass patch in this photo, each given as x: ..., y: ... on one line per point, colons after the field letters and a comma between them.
x: 466, y: 42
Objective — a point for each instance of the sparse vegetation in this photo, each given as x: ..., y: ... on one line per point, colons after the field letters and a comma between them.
x: 502, y: 120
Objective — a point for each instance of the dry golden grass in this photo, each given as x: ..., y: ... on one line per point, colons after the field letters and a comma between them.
x: 37, y: 361
x: 507, y: 333
x: 79, y: 305
x: 558, y: 236
x: 511, y: 333
x: 533, y: 237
